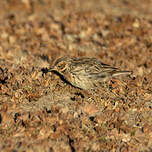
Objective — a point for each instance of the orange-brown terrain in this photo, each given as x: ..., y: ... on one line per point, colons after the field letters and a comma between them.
x: 41, y: 113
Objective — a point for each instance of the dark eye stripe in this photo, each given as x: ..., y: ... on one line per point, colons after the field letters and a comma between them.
x: 63, y: 71
x: 61, y: 66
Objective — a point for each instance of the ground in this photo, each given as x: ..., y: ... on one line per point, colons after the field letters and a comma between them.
x: 40, y: 112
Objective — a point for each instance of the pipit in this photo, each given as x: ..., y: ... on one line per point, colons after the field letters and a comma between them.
x: 85, y: 73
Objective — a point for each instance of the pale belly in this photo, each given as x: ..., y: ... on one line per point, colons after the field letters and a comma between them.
x: 83, y: 82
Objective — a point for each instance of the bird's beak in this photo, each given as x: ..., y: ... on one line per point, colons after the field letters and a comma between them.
x: 51, y: 70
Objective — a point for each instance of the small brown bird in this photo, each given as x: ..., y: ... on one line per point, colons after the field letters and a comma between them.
x: 85, y: 73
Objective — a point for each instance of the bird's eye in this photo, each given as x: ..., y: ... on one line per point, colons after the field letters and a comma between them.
x: 61, y: 66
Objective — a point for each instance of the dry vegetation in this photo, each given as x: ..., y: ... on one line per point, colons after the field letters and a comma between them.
x: 39, y: 112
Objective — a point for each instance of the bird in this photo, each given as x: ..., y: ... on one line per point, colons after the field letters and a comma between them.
x: 84, y: 72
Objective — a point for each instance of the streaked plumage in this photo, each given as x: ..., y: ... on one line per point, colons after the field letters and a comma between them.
x: 85, y: 73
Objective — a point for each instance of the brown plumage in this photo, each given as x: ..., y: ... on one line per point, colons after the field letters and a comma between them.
x: 85, y: 73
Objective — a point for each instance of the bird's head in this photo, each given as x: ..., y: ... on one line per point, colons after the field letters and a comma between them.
x: 61, y: 65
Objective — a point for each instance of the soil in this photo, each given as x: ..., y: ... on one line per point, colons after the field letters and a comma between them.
x: 41, y: 113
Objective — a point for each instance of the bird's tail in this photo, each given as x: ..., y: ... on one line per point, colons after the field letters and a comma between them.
x: 118, y: 73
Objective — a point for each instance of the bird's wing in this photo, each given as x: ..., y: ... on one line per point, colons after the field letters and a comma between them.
x: 90, y: 67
